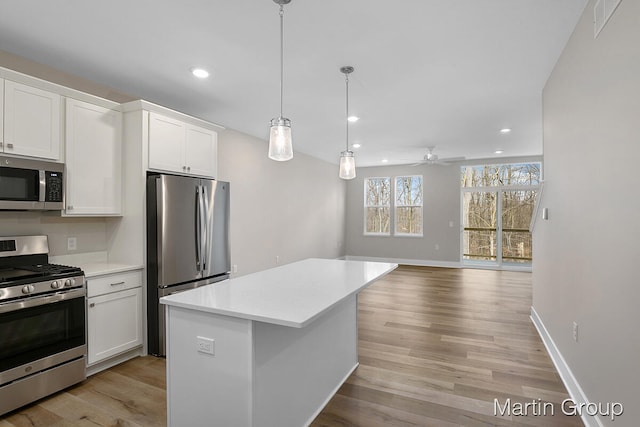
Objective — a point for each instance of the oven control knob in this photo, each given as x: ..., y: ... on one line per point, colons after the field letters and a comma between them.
x: 27, y: 289
x: 55, y: 285
x: 70, y: 282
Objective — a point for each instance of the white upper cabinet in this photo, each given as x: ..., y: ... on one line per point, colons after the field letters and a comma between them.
x: 93, y: 160
x: 201, y: 151
x: 31, y: 121
x: 166, y: 143
x: 176, y: 146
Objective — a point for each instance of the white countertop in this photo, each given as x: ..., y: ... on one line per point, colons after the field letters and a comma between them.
x: 290, y: 295
x: 94, y: 263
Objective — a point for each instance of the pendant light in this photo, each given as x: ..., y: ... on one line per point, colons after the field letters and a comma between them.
x: 280, y: 145
x: 347, y: 160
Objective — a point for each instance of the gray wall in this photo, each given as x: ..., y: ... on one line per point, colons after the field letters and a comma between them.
x: 586, y: 255
x: 441, y: 186
x: 290, y: 210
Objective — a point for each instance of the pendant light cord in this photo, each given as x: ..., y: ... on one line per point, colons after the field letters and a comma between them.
x: 281, y: 55
x: 346, y: 77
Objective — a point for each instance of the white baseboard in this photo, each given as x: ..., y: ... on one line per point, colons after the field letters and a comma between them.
x: 570, y: 382
x: 418, y: 262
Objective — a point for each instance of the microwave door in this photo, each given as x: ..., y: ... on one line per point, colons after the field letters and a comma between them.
x: 21, y: 188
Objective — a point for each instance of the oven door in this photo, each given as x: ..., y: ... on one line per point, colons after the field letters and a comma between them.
x: 41, y: 332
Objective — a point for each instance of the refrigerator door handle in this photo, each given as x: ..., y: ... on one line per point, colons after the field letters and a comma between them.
x: 198, y: 228
x: 207, y: 229
x: 203, y: 229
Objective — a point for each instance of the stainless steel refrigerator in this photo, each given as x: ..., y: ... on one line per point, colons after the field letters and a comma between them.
x: 187, y: 242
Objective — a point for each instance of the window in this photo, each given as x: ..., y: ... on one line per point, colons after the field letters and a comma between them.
x: 377, y: 204
x: 408, y: 204
x: 498, y: 202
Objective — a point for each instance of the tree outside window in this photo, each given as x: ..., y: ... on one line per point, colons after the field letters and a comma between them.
x: 408, y: 205
x: 377, y: 201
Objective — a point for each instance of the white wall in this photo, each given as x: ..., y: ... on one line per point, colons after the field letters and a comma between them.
x: 291, y: 210
x: 586, y: 255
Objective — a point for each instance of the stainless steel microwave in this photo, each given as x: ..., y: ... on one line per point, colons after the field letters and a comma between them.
x: 31, y: 184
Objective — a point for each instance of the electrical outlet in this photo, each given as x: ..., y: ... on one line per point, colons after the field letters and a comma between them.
x: 235, y: 268
x: 277, y: 259
x: 437, y: 247
x: 206, y: 345
x: 575, y: 331
x: 72, y: 244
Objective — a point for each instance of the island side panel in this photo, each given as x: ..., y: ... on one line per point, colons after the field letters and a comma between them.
x: 298, y: 370
x: 204, y: 389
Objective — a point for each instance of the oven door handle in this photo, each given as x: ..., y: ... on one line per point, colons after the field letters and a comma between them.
x: 42, y: 300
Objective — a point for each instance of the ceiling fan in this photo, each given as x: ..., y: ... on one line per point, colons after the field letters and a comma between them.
x: 432, y: 159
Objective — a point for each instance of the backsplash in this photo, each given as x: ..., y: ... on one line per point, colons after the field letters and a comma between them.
x: 90, y: 233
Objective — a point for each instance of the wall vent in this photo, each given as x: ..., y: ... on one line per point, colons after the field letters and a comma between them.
x: 602, y: 11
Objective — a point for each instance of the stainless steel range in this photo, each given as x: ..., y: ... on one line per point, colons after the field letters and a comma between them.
x: 43, y: 342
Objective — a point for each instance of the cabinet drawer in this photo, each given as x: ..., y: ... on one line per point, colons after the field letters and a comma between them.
x: 100, y: 285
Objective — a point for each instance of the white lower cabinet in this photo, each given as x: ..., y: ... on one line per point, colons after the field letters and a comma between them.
x: 114, y: 321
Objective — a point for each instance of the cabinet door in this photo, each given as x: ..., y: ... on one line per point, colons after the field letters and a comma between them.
x: 93, y: 159
x: 201, y: 151
x: 114, y: 324
x: 31, y: 121
x: 166, y: 143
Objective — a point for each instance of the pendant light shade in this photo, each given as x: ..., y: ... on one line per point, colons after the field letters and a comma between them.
x: 347, y: 159
x: 347, y: 165
x: 280, y: 143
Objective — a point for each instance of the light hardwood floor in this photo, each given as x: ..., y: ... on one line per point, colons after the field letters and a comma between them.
x: 436, y: 347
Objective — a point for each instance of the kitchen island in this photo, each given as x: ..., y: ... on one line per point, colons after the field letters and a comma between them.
x: 266, y: 349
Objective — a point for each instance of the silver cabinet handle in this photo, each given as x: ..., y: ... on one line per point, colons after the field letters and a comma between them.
x: 1, y: 144
x: 10, y: 145
x: 189, y: 168
x: 70, y: 207
x: 117, y: 284
x: 93, y: 304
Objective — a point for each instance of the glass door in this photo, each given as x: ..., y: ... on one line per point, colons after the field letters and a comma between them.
x: 517, y: 208
x: 480, y: 227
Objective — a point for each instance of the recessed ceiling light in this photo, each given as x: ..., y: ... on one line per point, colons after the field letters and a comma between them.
x: 356, y: 145
x: 499, y: 151
x: 353, y: 118
x: 505, y: 130
x: 384, y: 160
x: 200, y: 73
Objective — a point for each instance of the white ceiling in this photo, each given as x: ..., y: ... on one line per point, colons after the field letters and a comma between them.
x: 449, y: 73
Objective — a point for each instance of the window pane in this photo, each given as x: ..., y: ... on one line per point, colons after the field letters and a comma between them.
x: 480, y: 222
x: 480, y: 245
x: 377, y: 191
x: 409, y: 191
x: 409, y: 220
x: 500, y: 175
x: 517, y: 208
x: 377, y: 220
